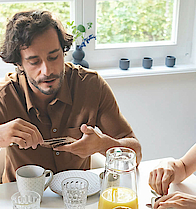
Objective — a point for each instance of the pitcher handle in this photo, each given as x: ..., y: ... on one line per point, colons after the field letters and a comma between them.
x: 49, y: 179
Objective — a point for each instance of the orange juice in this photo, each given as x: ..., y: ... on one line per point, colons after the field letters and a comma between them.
x: 118, y: 196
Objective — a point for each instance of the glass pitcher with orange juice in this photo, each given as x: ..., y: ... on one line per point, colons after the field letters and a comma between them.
x: 119, y: 185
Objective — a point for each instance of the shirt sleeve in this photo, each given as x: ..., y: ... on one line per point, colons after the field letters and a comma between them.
x: 110, y: 120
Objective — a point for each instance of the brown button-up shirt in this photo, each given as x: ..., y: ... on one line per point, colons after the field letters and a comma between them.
x: 84, y: 98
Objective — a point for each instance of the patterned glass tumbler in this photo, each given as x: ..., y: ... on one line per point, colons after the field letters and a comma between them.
x: 29, y: 200
x: 74, y: 190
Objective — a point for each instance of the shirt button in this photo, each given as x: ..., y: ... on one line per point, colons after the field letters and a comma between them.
x: 54, y: 130
x: 57, y: 153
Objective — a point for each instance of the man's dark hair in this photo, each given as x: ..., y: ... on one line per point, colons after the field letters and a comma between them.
x: 22, y: 29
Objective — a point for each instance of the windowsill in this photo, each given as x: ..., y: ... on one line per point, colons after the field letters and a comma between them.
x: 112, y: 73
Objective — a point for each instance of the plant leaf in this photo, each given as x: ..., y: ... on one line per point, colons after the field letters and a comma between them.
x: 68, y: 23
x: 89, y: 24
x: 81, y: 28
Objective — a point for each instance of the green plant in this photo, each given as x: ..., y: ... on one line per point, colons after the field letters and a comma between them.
x: 79, y: 33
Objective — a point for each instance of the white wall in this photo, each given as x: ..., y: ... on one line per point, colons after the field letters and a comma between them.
x: 193, y: 55
x: 161, y: 110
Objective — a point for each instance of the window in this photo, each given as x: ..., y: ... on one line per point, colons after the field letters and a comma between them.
x: 63, y: 9
x: 126, y: 28
x: 59, y: 8
x: 131, y: 22
x: 178, y: 33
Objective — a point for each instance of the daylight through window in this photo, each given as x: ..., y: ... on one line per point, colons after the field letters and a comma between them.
x: 61, y: 9
x: 135, y: 21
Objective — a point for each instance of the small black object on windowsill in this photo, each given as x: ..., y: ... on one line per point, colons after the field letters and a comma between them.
x: 147, y: 62
x: 124, y: 63
x: 170, y: 61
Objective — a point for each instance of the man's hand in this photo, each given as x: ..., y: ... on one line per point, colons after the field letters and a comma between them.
x: 176, y: 200
x: 20, y: 132
x: 161, y: 177
x: 91, y: 142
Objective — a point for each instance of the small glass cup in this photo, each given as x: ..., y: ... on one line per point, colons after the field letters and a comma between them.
x: 74, y: 190
x: 29, y: 200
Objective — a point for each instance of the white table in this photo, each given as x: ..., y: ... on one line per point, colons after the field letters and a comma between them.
x: 52, y: 200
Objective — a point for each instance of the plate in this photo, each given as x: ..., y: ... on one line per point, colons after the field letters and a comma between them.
x: 92, y: 178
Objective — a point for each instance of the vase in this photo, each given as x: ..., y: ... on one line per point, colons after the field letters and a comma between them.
x: 78, y: 57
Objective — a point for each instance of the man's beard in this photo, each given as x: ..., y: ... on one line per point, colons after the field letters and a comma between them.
x: 51, y: 90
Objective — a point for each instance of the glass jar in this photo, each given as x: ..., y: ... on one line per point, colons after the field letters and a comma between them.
x: 119, y: 185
